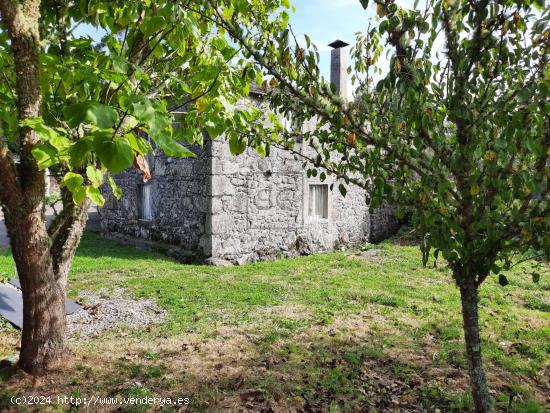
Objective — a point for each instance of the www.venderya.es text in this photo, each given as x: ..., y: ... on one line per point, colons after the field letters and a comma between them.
x: 95, y: 400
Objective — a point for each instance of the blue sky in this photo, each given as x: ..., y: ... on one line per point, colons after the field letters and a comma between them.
x: 327, y: 20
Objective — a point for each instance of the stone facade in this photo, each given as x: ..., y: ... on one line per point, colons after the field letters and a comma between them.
x: 180, y: 207
x: 224, y: 209
x: 228, y: 209
x: 259, y: 208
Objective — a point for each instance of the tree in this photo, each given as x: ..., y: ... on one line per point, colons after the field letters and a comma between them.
x: 85, y: 109
x: 456, y: 127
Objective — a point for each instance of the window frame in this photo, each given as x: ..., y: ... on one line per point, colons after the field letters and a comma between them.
x: 326, y: 200
x: 141, y: 193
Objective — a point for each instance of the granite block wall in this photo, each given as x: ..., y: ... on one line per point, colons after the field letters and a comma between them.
x: 180, y: 191
x: 260, y: 208
x: 240, y: 209
x: 256, y: 204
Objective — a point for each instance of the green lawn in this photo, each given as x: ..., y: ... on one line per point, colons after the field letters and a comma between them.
x: 329, y: 332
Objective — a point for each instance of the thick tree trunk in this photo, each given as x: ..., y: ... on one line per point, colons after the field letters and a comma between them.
x: 480, y: 391
x: 65, y: 233
x: 43, y: 342
x: 42, y: 257
x: 41, y: 272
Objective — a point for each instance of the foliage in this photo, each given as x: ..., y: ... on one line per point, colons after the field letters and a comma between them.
x: 154, y: 73
x: 52, y: 199
x: 461, y: 136
x: 160, y: 76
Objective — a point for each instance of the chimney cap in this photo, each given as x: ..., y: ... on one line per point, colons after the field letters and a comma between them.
x: 337, y: 44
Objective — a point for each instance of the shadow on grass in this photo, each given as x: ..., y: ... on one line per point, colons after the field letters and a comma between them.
x: 94, y: 245
x: 323, y: 333
x: 318, y: 369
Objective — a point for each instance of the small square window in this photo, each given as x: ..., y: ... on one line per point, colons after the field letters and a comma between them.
x: 145, y: 203
x: 318, y: 201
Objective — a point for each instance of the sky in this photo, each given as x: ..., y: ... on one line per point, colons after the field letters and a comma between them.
x: 328, y: 20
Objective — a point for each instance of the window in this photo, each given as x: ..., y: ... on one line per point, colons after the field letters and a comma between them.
x: 318, y: 201
x: 144, y: 202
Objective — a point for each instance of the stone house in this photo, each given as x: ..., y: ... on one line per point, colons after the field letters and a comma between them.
x: 226, y: 209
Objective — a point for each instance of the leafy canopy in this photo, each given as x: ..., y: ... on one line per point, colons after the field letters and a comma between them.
x: 449, y: 120
x: 155, y: 73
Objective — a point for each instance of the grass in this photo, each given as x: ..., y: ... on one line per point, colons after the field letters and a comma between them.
x: 329, y: 332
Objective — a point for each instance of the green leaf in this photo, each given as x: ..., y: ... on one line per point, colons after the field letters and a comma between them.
x: 139, y: 106
x: 342, y: 190
x: 139, y: 144
x: 120, y: 65
x: 152, y: 25
x: 214, y: 129
x: 95, y: 113
x: 536, y: 277
x: 502, y: 280
x: 45, y: 156
x: 236, y: 145
x: 61, y: 143
x: 37, y: 123
x: 117, y: 191
x: 190, y: 135
x: 79, y: 195
x: 94, y: 175
x: 364, y: 3
x: 156, y: 118
x: 73, y: 181
x: 284, y: 18
x: 95, y: 195
x: 261, y: 149
x: 79, y: 152
x: 228, y: 12
x: 172, y: 148
x: 115, y: 154
x: 159, y: 124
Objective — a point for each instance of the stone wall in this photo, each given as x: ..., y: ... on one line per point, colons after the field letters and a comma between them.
x: 260, y: 208
x: 349, y: 218
x: 256, y: 204
x: 239, y: 208
x: 181, y: 203
x: 384, y: 224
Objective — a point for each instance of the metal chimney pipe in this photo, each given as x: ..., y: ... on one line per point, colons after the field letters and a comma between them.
x: 339, y: 66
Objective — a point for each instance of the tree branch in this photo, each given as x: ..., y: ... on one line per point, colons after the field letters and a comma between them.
x: 65, y: 232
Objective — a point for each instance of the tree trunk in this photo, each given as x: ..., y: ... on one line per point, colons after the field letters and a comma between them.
x: 42, y: 259
x: 43, y: 342
x: 480, y: 391
x: 43, y: 271
x: 66, y: 233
